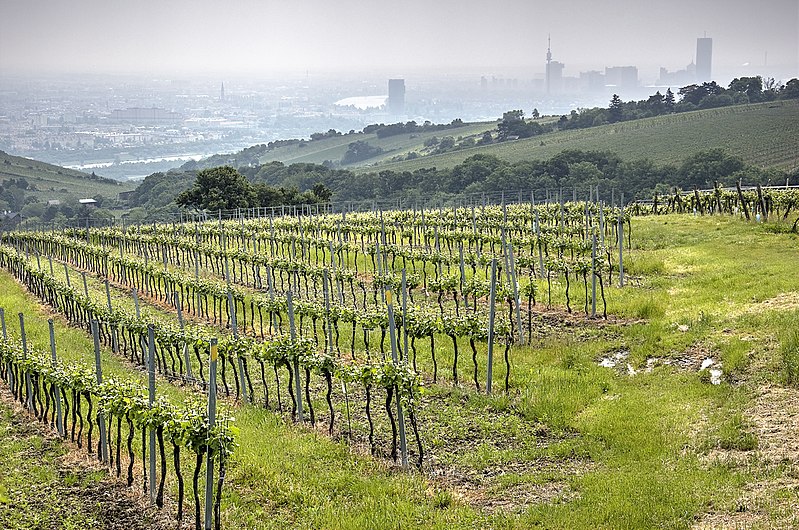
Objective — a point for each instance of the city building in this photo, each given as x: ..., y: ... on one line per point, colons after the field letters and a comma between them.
x: 554, y: 72
x: 624, y: 77
x: 678, y: 78
x: 592, y: 81
x: 146, y: 115
x: 396, y: 96
x: 704, y: 59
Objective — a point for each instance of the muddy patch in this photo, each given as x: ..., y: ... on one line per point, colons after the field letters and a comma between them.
x: 698, y: 359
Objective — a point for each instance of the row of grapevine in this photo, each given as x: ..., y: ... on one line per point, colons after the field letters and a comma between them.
x: 56, y: 394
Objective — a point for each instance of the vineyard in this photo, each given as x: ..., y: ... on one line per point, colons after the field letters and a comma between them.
x: 459, y: 364
x: 663, y: 139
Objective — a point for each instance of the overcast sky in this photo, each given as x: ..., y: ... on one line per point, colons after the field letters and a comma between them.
x: 251, y: 37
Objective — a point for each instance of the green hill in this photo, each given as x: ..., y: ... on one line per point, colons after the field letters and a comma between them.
x: 763, y: 134
x: 49, y: 182
x: 333, y: 148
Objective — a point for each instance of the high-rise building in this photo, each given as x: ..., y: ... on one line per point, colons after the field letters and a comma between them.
x: 592, y: 81
x: 704, y: 58
x: 621, y: 76
x: 554, y: 73
x: 396, y: 96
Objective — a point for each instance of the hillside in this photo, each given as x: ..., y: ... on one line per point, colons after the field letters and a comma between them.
x: 763, y: 134
x: 48, y: 182
x: 333, y: 148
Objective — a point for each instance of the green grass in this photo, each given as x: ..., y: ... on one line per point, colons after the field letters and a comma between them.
x: 789, y: 350
x: 334, y: 148
x: 764, y: 134
x: 614, y: 450
x: 54, y: 182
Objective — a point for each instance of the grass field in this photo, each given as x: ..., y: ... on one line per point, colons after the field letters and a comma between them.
x: 399, y: 145
x: 765, y: 134
x: 647, y: 443
x: 54, y: 182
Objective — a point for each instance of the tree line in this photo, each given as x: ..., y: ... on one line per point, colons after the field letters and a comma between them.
x: 275, y: 183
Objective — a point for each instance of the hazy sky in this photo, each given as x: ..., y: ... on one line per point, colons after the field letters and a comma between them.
x: 250, y: 37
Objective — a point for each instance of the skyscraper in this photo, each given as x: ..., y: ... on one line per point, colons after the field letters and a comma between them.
x: 704, y: 56
x: 396, y: 96
x: 554, y: 73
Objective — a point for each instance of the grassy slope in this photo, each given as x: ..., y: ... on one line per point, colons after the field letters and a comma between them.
x: 640, y: 443
x: 334, y: 148
x: 54, y: 182
x: 764, y: 134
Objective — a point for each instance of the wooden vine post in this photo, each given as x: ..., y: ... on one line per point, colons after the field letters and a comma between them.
x: 593, y: 276
x: 620, y: 231
x: 492, y: 308
x: 98, y: 370
x: 59, y: 412
x: 400, y: 417
x: 296, y: 365
x: 209, y: 459
x: 151, y: 401
x: 233, y: 324
x: 114, y: 334
x: 29, y: 396
x: 179, y: 308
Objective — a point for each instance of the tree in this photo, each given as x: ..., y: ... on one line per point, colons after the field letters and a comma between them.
x: 536, y: 114
x: 219, y: 188
x: 751, y: 86
x: 694, y: 94
x: 790, y: 90
x: 668, y: 101
x: 322, y: 192
x: 655, y: 103
x: 513, y: 116
x: 485, y: 139
x: 706, y: 167
x: 615, y: 110
x: 358, y: 151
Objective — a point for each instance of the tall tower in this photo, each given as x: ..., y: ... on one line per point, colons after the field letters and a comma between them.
x: 554, y: 71
x: 549, y: 60
x: 396, y: 96
x: 704, y: 56
x: 222, y: 92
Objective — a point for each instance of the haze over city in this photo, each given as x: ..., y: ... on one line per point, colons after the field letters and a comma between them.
x: 274, y: 37
x: 128, y: 88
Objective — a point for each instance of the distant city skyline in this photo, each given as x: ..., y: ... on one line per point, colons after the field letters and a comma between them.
x: 270, y: 37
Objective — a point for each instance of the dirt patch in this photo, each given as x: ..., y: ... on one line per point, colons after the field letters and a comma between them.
x: 775, y: 416
x: 772, y: 502
x: 513, y: 486
x: 782, y: 302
